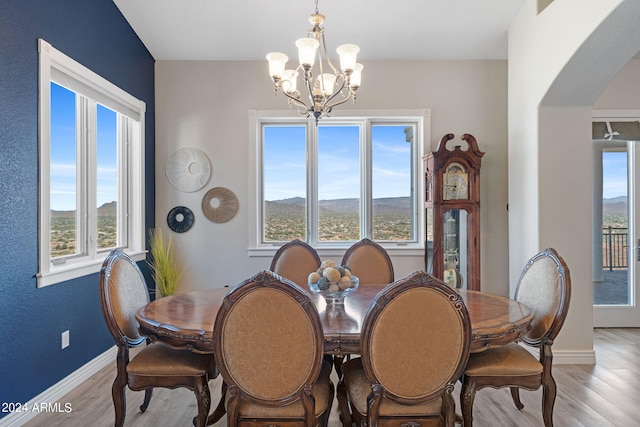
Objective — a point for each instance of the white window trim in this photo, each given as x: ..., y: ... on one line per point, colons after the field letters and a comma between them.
x: 423, y: 118
x: 52, y: 61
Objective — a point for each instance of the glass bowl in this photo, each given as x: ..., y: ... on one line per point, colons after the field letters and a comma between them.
x: 333, y: 293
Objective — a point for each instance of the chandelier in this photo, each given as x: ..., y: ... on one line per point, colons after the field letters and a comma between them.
x: 331, y: 87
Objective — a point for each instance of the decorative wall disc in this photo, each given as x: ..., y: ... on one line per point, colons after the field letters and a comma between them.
x: 188, y: 169
x: 180, y: 219
x: 219, y: 205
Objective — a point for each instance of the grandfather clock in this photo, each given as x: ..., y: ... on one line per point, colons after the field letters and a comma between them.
x: 452, y: 183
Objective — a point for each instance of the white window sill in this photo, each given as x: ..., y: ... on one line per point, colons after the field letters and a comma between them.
x: 393, y: 251
x: 63, y: 273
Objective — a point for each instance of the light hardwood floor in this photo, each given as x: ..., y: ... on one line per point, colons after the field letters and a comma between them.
x: 593, y: 396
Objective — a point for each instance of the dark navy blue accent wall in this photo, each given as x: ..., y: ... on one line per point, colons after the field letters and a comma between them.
x: 95, y: 34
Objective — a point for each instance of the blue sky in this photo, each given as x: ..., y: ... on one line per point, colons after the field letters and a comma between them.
x: 338, y: 162
x: 614, y: 171
x: 63, y: 151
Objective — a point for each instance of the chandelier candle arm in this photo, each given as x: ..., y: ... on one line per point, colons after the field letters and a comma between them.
x: 350, y: 95
x: 312, y: 51
x: 289, y: 81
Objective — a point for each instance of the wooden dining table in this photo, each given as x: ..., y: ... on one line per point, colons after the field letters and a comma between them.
x: 186, y: 320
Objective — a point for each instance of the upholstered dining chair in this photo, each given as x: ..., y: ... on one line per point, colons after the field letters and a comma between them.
x: 415, y: 342
x: 369, y: 262
x: 295, y: 260
x: 545, y: 287
x: 268, y: 343
x: 123, y: 291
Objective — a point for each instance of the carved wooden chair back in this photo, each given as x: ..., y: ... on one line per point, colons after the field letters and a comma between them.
x: 268, y: 342
x: 295, y: 260
x: 123, y: 291
x: 369, y: 262
x: 416, y: 338
x: 545, y: 287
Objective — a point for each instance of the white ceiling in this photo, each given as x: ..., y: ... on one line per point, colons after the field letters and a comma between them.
x: 384, y: 29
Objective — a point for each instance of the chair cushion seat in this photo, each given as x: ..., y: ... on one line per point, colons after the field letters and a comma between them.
x: 358, y: 387
x: 160, y: 359
x: 322, y: 392
x: 509, y: 360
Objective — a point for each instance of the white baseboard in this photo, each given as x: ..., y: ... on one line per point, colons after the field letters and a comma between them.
x: 60, y: 389
x: 565, y: 357
x: 574, y: 357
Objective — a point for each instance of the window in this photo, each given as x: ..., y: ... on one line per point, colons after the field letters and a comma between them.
x: 91, y: 169
x: 336, y: 182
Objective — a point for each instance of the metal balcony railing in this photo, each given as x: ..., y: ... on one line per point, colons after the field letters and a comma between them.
x: 614, y: 248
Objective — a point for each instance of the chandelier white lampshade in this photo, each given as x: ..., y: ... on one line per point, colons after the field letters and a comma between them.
x: 326, y: 82
x: 277, y: 62
x: 307, y: 48
x: 348, y: 54
x: 356, y: 76
x: 331, y: 87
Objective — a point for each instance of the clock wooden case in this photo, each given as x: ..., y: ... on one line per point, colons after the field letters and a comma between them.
x: 452, y: 184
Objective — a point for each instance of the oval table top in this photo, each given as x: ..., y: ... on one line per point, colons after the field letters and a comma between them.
x: 186, y: 320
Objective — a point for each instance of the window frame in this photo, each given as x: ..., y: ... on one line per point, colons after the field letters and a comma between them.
x: 365, y: 118
x: 55, y: 66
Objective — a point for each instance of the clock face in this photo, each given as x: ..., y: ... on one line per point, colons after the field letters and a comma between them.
x: 456, y: 182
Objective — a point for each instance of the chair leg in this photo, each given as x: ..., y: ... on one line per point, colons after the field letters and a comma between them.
x: 343, y: 403
x: 548, y: 400
x: 203, y: 396
x: 467, y: 394
x: 147, y: 398
x: 449, y: 408
x: 119, y: 402
x: 515, y: 395
x: 220, y: 409
x: 323, y: 420
x: 337, y: 363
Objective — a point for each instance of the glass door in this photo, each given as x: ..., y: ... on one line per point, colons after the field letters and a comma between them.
x: 616, y: 206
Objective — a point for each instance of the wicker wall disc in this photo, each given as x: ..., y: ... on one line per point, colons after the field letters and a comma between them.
x: 219, y: 205
x: 180, y: 219
x: 188, y: 169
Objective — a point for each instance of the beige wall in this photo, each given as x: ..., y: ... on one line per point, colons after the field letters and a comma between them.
x: 559, y: 63
x: 205, y: 105
x: 623, y: 93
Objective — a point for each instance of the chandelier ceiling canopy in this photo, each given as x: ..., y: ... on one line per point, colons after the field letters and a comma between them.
x: 331, y: 86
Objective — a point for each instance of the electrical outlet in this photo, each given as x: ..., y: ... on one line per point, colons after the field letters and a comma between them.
x: 65, y: 339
